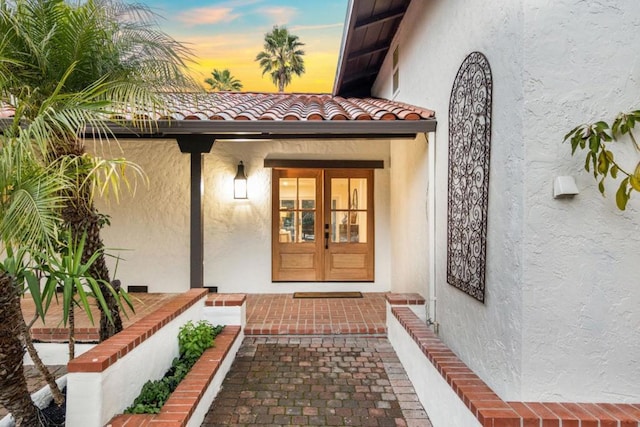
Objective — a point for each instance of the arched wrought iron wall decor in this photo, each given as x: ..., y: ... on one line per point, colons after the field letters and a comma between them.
x: 469, y: 150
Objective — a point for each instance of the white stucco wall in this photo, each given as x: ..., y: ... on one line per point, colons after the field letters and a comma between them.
x: 154, y: 225
x: 409, y: 224
x: 123, y: 380
x: 150, y: 230
x: 434, y: 38
x: 560, y: 320
x: 582, y: 335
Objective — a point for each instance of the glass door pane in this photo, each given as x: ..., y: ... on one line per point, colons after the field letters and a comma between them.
x: 348, y: 210
x: 297, y: 207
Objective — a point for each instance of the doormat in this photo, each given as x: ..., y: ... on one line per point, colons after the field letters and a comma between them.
x: 327, y: 294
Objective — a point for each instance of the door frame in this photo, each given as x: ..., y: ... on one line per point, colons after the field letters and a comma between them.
x: 324, y: 260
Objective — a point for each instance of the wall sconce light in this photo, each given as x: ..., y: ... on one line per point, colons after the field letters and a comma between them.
x: 240, y: 183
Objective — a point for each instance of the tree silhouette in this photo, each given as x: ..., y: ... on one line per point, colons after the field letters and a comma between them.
x: 281, y: 57
x: 223, y: 80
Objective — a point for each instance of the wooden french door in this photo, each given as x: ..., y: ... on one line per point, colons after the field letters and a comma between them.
x: 323, y: 225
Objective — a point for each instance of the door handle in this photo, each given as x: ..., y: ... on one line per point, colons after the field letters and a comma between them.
x: 326, y: 236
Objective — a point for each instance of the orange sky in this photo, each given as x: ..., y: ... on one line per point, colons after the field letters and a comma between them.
x: 229, y: 34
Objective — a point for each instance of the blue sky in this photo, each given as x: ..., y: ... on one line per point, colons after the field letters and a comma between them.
x: 229, y: 34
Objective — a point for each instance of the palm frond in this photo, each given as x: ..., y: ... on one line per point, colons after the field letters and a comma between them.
x: 108, y: 177
x: 31, y: 202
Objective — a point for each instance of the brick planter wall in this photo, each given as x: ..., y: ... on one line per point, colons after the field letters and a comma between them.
x: 183, y: 404
x: 487, y: 407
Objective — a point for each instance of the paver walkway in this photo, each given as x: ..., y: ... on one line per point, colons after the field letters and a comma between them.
x: 316, y: 381
x: 282, y: 314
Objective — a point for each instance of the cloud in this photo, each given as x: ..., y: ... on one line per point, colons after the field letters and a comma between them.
x: 316, y: 27
x: 278, y: 15
x: 207, y: 15
x: 239, y: 3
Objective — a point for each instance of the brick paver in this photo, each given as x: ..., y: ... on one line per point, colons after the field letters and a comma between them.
x: 316, y: 381
x: 282, y: 314
x: 86, y: 331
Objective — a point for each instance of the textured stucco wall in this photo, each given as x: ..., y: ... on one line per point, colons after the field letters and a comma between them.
x: 409, y: 225
x: 560, y: 321
x: 582, y: 334
x: 150, y: 230
x: 154, y: 225
x: 434, y: 38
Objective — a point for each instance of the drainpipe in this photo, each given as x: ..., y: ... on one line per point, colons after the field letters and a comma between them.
x: 431, y: 213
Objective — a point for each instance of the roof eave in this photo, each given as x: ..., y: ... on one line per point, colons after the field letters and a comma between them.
x: 273, y: 129
x: 342, y: 57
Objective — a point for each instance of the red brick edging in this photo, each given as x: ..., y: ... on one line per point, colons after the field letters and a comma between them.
x: 177, y: 411
x: 110, y: 351
x: 491, y: 410
x: 225, y: 300
x: 405, y: 299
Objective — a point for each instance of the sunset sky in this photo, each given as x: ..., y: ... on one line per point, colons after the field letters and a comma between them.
x: 229, y: 34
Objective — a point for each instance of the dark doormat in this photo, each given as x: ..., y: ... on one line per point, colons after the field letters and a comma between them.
x: 327, y: 294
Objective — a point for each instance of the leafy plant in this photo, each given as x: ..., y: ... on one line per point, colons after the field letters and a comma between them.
x: 193, y: 340
x: 600, y: 160
x: 73, y: 275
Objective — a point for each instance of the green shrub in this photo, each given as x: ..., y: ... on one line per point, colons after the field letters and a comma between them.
x: 193, y: 340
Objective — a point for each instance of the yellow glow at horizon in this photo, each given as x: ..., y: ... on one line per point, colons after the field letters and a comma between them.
x: 321, y: 58
x: 318, y: 78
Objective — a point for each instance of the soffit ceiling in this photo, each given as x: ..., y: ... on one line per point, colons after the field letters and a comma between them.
x: 369, y: 30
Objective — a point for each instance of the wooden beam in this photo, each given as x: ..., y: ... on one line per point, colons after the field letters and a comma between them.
x: 381, y: 17
x: 196, y: 145
x: 381, y: 47
x: 323, y: 164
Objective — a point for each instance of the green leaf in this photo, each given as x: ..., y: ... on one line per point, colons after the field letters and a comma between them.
x: 605, y: 136
x: 614, y: 171
x: 635, y: 182
x: 600, y: 126
x: 575, y: 141
x: 621, y: 195
x: 594, y: 143
x: 34, y: 288
x: 615, y: 129
x: 98, y: 295
x: 603, y: 166
x: 624, y: 128
x: 571, y: 132
x: 49, y: 291
x: 601, y: 186
x: 83, y: 299
x: 587, y: 161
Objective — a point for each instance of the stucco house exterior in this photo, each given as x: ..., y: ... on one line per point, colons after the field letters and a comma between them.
x: 558, y: 319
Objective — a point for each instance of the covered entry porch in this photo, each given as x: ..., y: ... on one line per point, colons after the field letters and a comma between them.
x: 234, y: 245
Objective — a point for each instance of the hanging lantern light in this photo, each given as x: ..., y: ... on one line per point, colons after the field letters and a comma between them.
x: 240, y: 183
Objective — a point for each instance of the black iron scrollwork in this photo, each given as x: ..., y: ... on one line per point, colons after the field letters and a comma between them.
x: 469, y: 150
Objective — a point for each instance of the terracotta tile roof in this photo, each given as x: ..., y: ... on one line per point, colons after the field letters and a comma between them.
x: 249, y: 106
x: 276, y: 106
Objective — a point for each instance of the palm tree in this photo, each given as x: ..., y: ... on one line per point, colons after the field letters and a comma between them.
x: 223, y: 80
x: 29, y: 207
x: 96, y: 58
x: 281, y: 57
